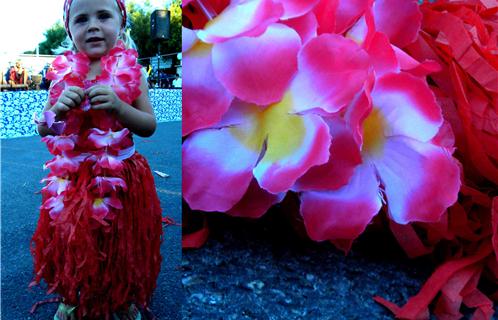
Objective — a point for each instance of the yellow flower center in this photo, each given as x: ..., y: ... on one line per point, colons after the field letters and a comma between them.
x: 98, y: 202
x: 284, y: 131
x: 374, y: 128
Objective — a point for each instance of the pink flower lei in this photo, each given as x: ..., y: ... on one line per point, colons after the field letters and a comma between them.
x: 104, y: 142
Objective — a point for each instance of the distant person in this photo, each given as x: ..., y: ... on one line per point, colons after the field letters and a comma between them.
x: 46, y: 82
x: 18, y: 74
x: 177, y: 82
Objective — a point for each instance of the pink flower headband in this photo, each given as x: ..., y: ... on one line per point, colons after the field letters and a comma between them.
x: 67, y: 6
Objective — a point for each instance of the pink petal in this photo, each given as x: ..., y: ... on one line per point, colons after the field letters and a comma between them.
x: 382, y: 55
x: 100, y: 208
x: 325, y: 12
x: 108, y: 161
x: 296, y: 8
x: 305, y: 26
x: 344, y: 213
x: 258, y: 69
x: 60, y: 165
x: 106, y: 184
x: 205, y: 100
x: 348, y: 12
x: 408, y: 105
x: 217, y: 167
x: 55, y: 205
x: 400, y: 20
x: 359, y: 110
x: 414, y: 67
x: 294, y: 145
x: 113, y: 202
x: 49, y: 118
x: 255, y: 203
x: 247, y: 18
x: 421, y: 180
x: 332, y: 69
x: 189, y: 38
x: 344, y: 157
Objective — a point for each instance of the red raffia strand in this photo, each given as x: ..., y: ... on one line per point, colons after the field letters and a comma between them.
x: 167, y: 221
x: 197, y: 238
x: 39, y: 303
x: 462, y: 37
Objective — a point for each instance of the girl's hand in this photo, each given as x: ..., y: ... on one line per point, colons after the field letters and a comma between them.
x: 103, y: 98
x: 70, y: 98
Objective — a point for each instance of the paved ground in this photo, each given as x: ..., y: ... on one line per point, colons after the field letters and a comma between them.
x: 266, y: 269
x: 21, y: 164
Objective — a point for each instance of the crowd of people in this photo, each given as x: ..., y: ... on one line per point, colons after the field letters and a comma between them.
x: 17, y: 77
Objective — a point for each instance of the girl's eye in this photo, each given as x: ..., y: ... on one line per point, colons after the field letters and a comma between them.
x: 103, y: 16
x: 80, y: 20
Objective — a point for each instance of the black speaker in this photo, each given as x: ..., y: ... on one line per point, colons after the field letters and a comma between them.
x: 159, y: 25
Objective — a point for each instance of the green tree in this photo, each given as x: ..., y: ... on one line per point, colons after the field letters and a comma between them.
x: 53, y: 38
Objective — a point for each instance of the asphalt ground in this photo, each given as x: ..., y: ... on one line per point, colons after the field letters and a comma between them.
x: 267, y: 269
x: 22, y: 160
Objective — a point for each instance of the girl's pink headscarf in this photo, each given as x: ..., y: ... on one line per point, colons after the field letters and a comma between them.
x: 67, y: 6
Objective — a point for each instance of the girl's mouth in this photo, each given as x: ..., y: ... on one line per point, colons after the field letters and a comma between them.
x: 94, y: 39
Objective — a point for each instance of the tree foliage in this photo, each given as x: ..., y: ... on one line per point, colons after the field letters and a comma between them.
x: 53, y: 38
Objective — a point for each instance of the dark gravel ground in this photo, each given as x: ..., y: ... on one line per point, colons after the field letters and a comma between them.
x: 268, y: 269
x: 21, y: 163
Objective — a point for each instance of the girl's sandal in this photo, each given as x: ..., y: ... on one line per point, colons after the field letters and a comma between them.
x: 65, y: 312
x: 132, y: 314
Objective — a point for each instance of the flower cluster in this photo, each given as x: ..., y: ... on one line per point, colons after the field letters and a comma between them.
x: 317, y: 98
x: 79, y: 138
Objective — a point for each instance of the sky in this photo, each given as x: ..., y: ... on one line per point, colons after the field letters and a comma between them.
x: 23, y: 22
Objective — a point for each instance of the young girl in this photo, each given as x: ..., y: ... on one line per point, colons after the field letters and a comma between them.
x: 98, y: 237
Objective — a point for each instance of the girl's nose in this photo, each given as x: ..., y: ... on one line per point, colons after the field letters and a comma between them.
x: 93, y: 25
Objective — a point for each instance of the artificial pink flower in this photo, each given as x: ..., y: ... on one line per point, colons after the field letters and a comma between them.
x: 102, y: 206
x: 56, y: 185
x: 121, y: 71
x: 107, y: 184
x: 62, y: 164
x: 59, y: 144
x: 400, y: 119
x: 213, y: 70
x: 271, y: 144
x: 108, y: 161
x: 73, y: 64
x: 55, y: 205
x: 108, y: 139
x: 48, y: 119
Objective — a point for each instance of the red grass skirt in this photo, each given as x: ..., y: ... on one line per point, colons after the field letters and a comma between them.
x: 102, y: 268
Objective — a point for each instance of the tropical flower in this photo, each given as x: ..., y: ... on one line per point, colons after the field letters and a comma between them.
x: 59, y: 144
x: 275, y: 144
x: 55, y: 205
x: 106, y: 184
x: 121, y: 71
x: 102, y: 206
x: 107, y: 139
x: 400, y: 163
x: 56, y: 185
x: 62, y: 164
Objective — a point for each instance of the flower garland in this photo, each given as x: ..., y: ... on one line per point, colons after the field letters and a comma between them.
x: 87, y: 135
x: 329, y: 100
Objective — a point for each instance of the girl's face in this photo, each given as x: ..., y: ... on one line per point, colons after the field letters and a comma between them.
x: 95, y: 26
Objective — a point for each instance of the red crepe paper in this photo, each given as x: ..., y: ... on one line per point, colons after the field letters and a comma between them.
x: 446, y: 278
x: 197, y: 238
